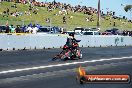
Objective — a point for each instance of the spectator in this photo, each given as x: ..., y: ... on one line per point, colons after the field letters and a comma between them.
x: 24, y: 29
x: 64, y: 19
x: 12, y: 29
x: 27, y: 13
x: 30, y: 7
x: 29, y: 29
x: 54, y: 2
x: 47, y: 20
x: 130, y: 33
x: 61, y: 30
x: 38, y: 26
x: 91, y: 18
x: 87, y: 19
x: 5, y: 14
x: 124, y: 33
x: 7, y: 11
x: 49, y: 8
x: 14, y: 6
x: 34, y: 29
x: 18, y: 30
x: 114, y: 24
x: 113, y: 13
x: 7, y: 29
x: 35, y: 11
x: 71, y: 17
x: 110, y: 22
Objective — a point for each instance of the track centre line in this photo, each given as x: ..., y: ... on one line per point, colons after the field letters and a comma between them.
x: 59, y: 65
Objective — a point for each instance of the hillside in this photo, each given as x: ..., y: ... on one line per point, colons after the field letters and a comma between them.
x: 77, y: 19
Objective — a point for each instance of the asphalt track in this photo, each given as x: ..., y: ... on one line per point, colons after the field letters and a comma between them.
x: 34, y: 68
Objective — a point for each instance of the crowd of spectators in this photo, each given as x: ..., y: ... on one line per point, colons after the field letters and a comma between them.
x: 10, y: 29
x: 64, y: 9
x: 20, y: 29
x: 31, y: 28
x: 7, y: 12
x: 127, y: 33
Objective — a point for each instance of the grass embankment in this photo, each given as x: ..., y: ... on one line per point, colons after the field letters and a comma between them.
x: 78, y: 19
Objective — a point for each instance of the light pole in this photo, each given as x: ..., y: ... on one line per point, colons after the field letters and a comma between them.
x: 131, y: 14
x: 98, y: 20
x: 50, y: 23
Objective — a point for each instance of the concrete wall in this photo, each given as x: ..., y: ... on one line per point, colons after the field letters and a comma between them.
x: 35, y: 41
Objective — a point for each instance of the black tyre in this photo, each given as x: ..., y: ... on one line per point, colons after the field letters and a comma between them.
x: 64, y: 59
x: 53, y: 59
x: 80, y: 57
x: 82, y: 80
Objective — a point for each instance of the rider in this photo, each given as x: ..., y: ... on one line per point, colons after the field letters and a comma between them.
x: 72, y: 43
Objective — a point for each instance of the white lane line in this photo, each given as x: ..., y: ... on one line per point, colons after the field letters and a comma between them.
x: 59, y: 65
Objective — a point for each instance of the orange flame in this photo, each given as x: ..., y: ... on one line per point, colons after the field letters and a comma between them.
x: 82, y: 72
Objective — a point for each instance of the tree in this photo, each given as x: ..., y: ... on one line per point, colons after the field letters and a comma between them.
x: 128, y: 8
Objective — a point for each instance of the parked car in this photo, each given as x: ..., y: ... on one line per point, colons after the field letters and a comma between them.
x: 55, y: 30
x: 48, y: 29
x: 127, y: 33
x: 114, y: 31
x: 78, y: 33
x: 91, y: 33
x: 68, y: 32
x: 106, y: 33
x: 78, y: 29
x: 45, y: 30
x: 87, y: 29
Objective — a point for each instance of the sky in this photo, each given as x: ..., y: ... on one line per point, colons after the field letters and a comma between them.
x: 106, y: 5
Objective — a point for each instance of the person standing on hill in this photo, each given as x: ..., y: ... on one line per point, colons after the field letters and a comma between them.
x: 64, y: 19
x: 7, y: 11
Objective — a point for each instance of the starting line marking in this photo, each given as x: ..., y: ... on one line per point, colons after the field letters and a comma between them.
x: 59, y: 65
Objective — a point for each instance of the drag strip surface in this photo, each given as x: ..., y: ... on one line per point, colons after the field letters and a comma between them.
x: 30, y: 58
x: 64, y: 64
x: 34, y: 68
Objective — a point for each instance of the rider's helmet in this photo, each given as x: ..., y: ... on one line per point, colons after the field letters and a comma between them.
x: 71, y: 34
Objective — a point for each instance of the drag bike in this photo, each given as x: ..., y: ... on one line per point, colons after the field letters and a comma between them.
x: 69, y: 54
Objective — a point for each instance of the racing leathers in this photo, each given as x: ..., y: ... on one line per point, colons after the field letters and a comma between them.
x: 72, y: 45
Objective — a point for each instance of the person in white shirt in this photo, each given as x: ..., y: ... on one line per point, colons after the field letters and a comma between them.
x: 35, y: 29
x: 29, y: 29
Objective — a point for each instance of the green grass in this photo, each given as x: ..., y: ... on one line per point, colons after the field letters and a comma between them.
x: 78, y: 18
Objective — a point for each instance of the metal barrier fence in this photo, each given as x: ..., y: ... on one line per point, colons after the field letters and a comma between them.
x: 39, y: 41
